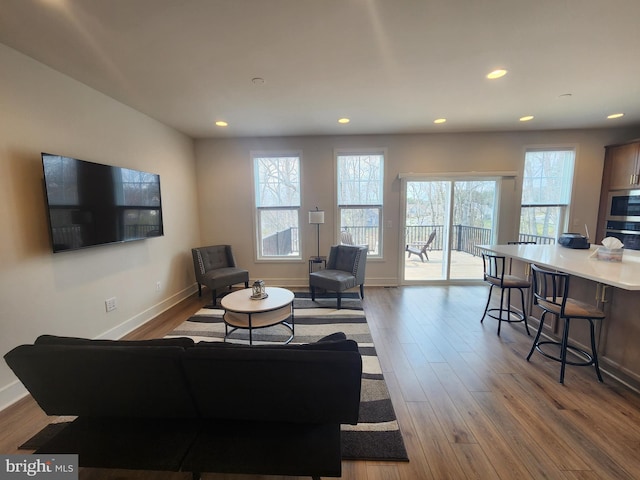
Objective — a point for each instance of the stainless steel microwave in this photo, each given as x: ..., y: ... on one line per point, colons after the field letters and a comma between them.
x: 623, y: 217
x: 624, y: 205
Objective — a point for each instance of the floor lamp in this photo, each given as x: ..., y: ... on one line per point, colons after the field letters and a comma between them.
x: 317, y: 217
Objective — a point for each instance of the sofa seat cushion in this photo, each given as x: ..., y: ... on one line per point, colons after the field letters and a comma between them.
x: 137, y: 444
x: 262, y: 448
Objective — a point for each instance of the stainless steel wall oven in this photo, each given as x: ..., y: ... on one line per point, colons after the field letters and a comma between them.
x: 623, y: 217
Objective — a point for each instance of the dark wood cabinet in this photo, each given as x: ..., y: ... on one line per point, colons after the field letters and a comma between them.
x: 622, y: 161
x: 621, y: 171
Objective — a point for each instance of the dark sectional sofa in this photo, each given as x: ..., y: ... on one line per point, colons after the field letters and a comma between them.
x: 170, y: 404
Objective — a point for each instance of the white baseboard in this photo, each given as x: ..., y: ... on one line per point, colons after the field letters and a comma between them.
x: 149, y: 314
x: 11, y: 393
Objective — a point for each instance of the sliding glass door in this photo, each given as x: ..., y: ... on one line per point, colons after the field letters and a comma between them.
x: 444, y: 221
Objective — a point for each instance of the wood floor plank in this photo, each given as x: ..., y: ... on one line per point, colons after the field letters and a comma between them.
x: 474, y: 462
x: 505, y: 460
x: 532, y: 457
x: 620, y: 448
x: 418, y: 466
x: 438, y: 452
x: 443, y: 406
x: 383, y: 472
x: 533, y: 418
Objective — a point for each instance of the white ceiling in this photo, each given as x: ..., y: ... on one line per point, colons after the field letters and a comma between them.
x: 391, y: 66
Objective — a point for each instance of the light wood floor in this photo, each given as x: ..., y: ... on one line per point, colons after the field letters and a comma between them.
x: 468, y: 403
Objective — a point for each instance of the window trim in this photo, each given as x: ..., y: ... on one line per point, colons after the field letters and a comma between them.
x: 564, y: 208
x: 382, y: 151
x: 257, y: 244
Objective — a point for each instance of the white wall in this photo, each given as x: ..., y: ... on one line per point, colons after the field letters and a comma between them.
x: 64, y: 294
x: 225, y: 183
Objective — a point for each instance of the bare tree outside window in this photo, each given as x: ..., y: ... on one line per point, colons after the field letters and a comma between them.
x: 277, y: 194
x: 360, y: 187
x: 546, y: 192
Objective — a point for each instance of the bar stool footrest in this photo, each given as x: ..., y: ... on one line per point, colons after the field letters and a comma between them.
x: 577, y: 351
x: 519, y: 316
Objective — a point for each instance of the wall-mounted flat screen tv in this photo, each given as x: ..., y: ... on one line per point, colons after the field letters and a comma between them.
x: 93, y: 204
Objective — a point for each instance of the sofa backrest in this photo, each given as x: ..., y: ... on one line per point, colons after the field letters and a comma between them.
x: 295, y: 384
x: 168, y: 378
x: 105, y: 380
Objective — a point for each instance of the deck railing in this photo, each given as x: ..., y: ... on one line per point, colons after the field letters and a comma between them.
x: 282, y: 243
x: 465, y: 238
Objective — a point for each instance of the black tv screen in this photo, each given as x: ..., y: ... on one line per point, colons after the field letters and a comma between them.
x: 93, y: 204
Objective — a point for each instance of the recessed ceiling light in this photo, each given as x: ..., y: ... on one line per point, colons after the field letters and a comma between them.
x: 343, y: 120
x: 526, y: 118
x: 440, y: 120
x: 615, y: 115
x: 565, y: 95
x: 257, y: 81
x: 221, y: 123
x: 496, y: 74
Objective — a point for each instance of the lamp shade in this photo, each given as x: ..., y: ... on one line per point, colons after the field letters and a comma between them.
x: 316, y: 216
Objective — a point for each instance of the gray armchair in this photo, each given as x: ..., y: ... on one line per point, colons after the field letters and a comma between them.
x: 345, y: 270
x: 215, y: 267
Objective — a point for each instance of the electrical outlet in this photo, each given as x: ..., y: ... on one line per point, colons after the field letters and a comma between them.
x: 110, y: 304
x: 158, y: 286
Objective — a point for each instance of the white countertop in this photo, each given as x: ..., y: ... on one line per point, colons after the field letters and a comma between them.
x: 625, y: 274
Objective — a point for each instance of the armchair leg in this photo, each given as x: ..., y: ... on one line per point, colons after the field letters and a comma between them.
x: 362, y: 291
x: 313, y: 293
x: 246, y: 284
x: 339, y: 299
x: 199, y: 289
x: 214, y: 296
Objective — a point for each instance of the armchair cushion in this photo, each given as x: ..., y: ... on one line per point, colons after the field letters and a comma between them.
x: 335, y: 280
x: 223, y: 277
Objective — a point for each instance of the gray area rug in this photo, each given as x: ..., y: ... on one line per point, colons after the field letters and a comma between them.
x: 377, y: 435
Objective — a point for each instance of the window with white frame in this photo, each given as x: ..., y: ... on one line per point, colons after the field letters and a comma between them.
x: 360, y: 187
x: 277, y: 200
x: 546, y: 193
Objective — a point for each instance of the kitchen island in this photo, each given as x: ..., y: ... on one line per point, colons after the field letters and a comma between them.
x: 611, y: 286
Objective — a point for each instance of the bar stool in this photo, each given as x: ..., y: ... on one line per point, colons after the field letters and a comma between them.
x: 494, y: 275
x: 551, y: 294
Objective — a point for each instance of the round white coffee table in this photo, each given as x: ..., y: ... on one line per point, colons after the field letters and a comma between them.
x: 241, y: 311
